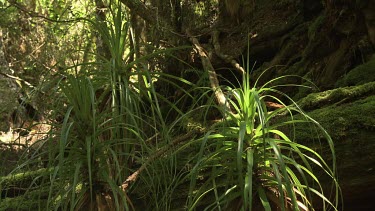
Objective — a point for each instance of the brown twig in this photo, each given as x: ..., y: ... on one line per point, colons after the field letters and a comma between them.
x: 133, y: 177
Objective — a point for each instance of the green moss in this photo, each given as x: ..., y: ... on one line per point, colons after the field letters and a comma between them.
x: 361, y: 74
x: 315, y: 26
x: 336, y: 96
x: 352, y: 128
x: 315, y: 37
x: 25, y: 191
x: 23, y: 178
x: 33, y: 200
x: 346, y: 120
x: 18, y: 203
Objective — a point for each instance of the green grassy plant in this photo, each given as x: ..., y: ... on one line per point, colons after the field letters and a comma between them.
x: 115, y: 150
x: 247, y: 161
x: 111, y: 126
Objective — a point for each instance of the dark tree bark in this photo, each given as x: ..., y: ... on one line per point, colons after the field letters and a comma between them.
x: 149, y: 14
x: 103, y: 50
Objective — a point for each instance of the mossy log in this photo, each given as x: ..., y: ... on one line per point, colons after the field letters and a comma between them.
x: 18, y: 184
x: 337, y: 96
x: 348, y: 115
x: 22, y: 191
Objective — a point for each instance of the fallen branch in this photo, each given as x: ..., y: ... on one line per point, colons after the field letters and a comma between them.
x: 133, y: 177
x: 18, y: 79
x: 220, y: 97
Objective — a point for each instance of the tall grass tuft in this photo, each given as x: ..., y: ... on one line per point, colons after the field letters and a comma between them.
x: 113, y: 122
x: 247, y: 162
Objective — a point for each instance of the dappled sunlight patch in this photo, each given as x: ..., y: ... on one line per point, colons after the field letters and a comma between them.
x: 24, y: 137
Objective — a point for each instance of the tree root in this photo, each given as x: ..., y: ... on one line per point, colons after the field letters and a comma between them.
x: 226, y: 58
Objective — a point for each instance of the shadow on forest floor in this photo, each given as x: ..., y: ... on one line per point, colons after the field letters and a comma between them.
x: 10, y: 155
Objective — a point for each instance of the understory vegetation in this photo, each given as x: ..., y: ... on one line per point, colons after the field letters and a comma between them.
x: 118, y: 139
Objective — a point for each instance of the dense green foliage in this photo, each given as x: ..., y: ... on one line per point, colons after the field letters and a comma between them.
x: 117, y: 142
